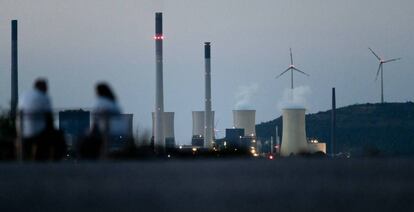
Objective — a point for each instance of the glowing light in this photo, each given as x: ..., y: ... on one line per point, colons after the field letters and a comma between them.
x: 314, y: 141
x: 194, y: 149
x: 180, y: 147
x: 158, y: 37
x: 270, y: 157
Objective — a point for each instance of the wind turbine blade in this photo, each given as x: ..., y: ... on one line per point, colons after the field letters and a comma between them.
x: 301, y: 72
x: 379, y: 68
x: 374, y: 54
x: 392, y: 60
x: 291, y: 56
x: 283, y: 72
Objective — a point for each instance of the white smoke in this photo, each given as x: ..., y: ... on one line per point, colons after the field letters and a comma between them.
x: 295, y: 99
x: 244, y: 96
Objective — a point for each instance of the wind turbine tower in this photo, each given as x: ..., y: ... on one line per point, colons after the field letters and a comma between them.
x: 291, y: 68
x: 381, y: 69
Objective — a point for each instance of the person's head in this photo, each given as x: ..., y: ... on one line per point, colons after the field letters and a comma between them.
x: 41, y: 85
x: 103, y: 90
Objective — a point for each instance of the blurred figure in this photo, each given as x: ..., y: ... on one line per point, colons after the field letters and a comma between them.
x: 35, y: 110
x: 40, y: 140
x: 105, y: 109
x: 106, y: 103
x: 34, y: 114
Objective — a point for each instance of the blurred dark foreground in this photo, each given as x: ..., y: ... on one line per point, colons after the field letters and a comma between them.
x: 291, y: 184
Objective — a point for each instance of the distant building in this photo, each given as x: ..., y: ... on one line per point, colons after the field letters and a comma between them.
x: 234, y: 137
x: 236, y: 140
x: 197, y: 140
x: 121, y: 131
x: 315, y: 146
x: 75, y: 124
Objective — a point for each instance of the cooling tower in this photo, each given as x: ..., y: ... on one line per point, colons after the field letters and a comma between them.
x: 245, y: 119
x: 294, y: 135
x: 168, y: 123
x: 198, y: 122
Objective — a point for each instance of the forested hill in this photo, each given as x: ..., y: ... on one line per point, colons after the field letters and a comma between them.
x: 363, y: 129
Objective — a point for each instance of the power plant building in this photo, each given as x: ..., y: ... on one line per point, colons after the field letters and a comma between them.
x: 314, y: 147
x: 75, y: 124
x: 234, y: 137
x: 121, y: 131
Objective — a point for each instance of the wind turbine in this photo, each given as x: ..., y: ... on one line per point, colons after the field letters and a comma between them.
x: 380, y: 68
x: 291, y: 68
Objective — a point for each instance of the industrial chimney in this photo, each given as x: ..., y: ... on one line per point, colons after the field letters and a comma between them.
x: 208, y: 114
x: 159, y: 139
x: 294, y: 134
x: 333, y: 122
x: 14, y: 70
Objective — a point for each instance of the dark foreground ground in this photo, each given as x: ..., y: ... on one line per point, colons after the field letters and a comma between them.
x: 203, y: 185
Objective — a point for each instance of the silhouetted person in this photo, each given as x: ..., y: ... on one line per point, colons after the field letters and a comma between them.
x: 40, y: 140
x: 105, y: 108
x: 106, y: 102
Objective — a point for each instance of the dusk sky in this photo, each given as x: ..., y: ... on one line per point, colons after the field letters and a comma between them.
x: 78, y: 43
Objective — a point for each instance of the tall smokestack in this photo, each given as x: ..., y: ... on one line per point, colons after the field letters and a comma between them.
x: 159, y: 140
x: 208, y: 119
x: 333, y: 122
x: 14, y: 74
